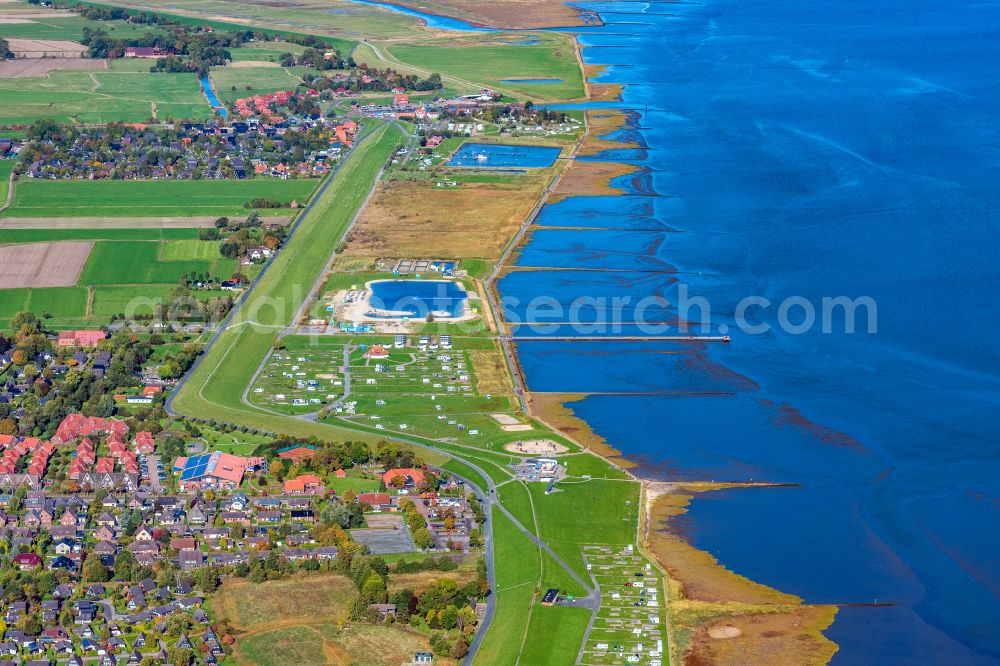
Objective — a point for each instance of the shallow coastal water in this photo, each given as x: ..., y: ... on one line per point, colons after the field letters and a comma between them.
x: 804, y: 149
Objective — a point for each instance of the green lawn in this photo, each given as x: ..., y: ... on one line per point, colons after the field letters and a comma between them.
x: 138, y: 262
x: 482, y: 60
x: 151, y: 198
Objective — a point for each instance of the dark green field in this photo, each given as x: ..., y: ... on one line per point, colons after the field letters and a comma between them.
x: 151, y: 198
x: 138, y: 262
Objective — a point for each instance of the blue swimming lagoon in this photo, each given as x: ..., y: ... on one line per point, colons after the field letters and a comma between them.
x: 488, y: 155
x: 394, y: 299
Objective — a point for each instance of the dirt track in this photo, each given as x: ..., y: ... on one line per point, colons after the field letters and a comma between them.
x: 57, y: 264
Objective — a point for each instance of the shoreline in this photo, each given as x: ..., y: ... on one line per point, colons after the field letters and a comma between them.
x: 716, y: 615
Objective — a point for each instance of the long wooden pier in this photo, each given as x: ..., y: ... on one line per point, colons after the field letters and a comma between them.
x: 724, y: 339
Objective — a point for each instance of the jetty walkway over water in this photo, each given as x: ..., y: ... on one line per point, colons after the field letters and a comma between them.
x: 724, y: 339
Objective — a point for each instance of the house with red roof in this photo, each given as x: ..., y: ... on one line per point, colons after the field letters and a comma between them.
x: 297, y: 453
x: 305, y: 484
x: 25, y: 561
x: 80, y: 338
x: 411, y: 476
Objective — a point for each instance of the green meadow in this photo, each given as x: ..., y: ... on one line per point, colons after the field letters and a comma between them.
x: 6, y: 166
x: 484, y: 59
x: 62, y: 301
x: 120, y: 93
x: 316, y: 17
x: 42, y: 235
x: 70, y: 28
x: 232, y: 83
x: 139, y: 262
x: 152, y: 198
x: 265, y: 51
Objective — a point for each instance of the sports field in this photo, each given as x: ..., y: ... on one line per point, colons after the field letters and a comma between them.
x: 152, y: 198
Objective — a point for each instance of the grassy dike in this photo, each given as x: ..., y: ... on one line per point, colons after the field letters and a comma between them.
x: 215, y: 387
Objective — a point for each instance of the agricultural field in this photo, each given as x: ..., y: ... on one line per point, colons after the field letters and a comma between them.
x: 70, y: 302
x: 315, y: 17
x: 495, y: 60
x: 36, y: 22
x: 265, y: 51
x: 151, y: 198
x: 6, y: 167
x: 145, y: 262
x: 121, y: 93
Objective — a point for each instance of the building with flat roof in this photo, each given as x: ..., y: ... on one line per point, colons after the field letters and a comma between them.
x: 212, y: 470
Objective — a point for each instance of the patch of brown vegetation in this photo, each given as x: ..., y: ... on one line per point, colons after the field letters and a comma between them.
x: 590, y: 179
x: 491, y: 371
x: 57, y: 264
x: 417, y: 218
x: 783, y: 637
x: 600, y: 123
x: 27, y: 67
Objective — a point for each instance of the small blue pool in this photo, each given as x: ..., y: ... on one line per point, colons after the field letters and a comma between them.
x: 392, y: 299
x: 532, y: 81
x: 488, y: 155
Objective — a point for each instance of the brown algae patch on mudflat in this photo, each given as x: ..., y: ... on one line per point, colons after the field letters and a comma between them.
x: 600, y: 123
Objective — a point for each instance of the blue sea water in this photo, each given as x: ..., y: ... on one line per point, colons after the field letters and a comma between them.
x: 805, y: 149
x: 490, y: 155
x: 418, y: 297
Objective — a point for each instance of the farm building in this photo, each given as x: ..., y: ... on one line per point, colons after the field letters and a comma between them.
x: 145, y: 52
